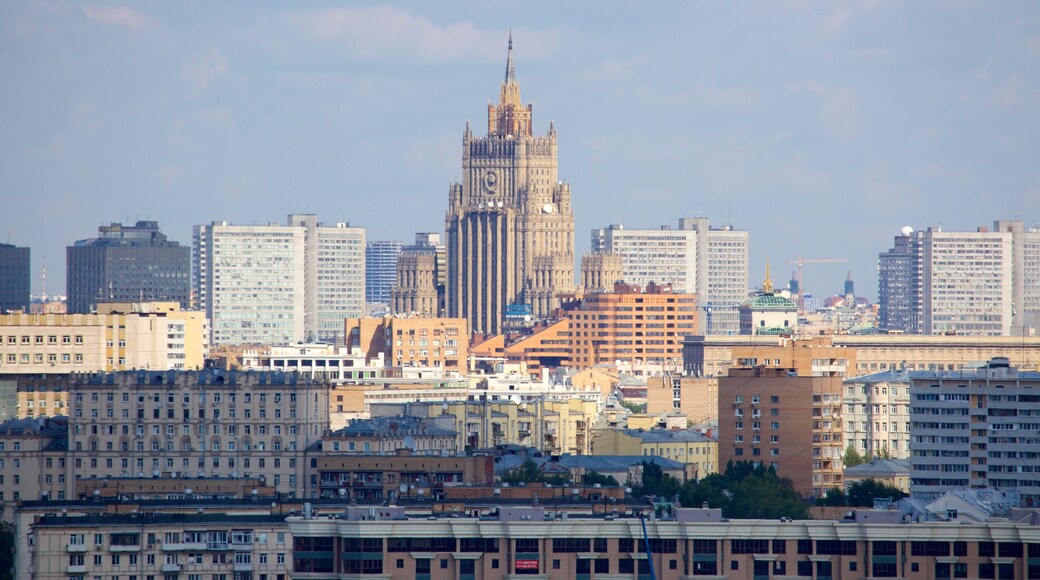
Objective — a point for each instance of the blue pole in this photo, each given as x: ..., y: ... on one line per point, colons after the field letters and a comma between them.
x: 649, y: 552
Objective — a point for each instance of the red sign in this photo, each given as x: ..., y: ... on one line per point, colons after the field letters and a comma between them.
x: 527, y: 564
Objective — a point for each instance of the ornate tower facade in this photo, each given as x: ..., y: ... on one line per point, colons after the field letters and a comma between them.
x: 509, y: 223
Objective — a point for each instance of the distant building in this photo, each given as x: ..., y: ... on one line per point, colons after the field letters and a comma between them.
x: 974, y: 430
x: 14, y: 278
x: 891, y: 472
x: 694, y: 258
x: 981, y: 283
x: 420, y: 277
x: 877, y: 414
x: 278, y: 284
x: 127, y: 264
x: 769, y: 313
x: 685, y: 446
x: 381, y: 270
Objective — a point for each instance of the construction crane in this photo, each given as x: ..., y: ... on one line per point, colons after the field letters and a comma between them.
x: 800, y: 262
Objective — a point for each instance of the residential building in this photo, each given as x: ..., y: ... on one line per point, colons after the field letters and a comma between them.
x: 120, y: 336
x: 877, y: 414
x: 278, y: 284
x: 368, y: 477
x: 32, y: 462
x: 15, y: 273
x: 790, y: 422
x: 940, y: 282
x: 519, y: 540
x: 325, y: 362
x: 891, y: 472
x: 381, y: 270
x: 198, y: 423
x: 682, y: 445
x: 975, y: 429
x: 694, y: 258
x: 631, y: 325
x: 509, y: 224
x: 36, y: 395
x: 127, y: 264
x: 389, y: 435
x: 696, y: 398
x: 411, y: 340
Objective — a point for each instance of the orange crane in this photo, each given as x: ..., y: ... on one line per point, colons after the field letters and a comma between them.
x: 801, y: 262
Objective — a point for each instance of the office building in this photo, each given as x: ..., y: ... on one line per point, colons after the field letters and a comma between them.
x: 509, y: 224
x: 975, y: 430
x: 127, y: 264
x: 120, y: 336
x: 790, y: 422
x: 969, y: 283
x: 381, y: 270
x: 14, y: 278
x: 279, y: 284
x: 694, y: 258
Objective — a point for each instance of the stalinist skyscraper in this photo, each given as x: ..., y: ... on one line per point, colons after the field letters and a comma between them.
x: 510, y: 224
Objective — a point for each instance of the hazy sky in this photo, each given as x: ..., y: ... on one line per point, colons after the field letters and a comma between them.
x: 820, y: 127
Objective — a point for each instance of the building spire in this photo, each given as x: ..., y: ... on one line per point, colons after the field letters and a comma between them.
x: 767, y: 284
x: 510, y: 66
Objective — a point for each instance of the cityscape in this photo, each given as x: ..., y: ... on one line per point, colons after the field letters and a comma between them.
x: 781, y: 364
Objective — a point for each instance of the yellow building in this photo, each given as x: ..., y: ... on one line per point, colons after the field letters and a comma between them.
x: 695, y: 397
x: 555, y: 427
x: 685, y: 446
x: 120, y: 336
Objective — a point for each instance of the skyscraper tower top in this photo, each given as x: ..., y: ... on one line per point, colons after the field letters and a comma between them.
x: 510, y: 118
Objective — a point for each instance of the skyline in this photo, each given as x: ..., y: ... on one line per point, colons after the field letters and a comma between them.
x: 788, y: 120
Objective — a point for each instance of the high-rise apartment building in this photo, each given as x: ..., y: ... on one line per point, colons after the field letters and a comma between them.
x: 127, y: 264
x: 693, y: 258
x: 981, y: 283
x: 381, y: 270
x: 278, y: 284
x: 975, y: 429
x: 510, y: 225
x: 14, y: 278
x: 877, y: 414
x: 784, y: 420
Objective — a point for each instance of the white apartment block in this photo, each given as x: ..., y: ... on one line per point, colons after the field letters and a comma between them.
x: 967, y: 283
x: 877, y: 414
x: 975, y: 429
x: 278, y: 284
x: 694, y: 258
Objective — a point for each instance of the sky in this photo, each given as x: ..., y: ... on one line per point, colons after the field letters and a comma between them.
x: 822, y: 128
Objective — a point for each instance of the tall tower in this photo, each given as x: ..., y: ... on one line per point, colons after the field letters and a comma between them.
x: 510, y: 224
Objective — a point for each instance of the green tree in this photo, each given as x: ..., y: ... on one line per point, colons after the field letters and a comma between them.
x: 7, y: 551
x: 633, y: 407
x: 656, y: 482
x: 835, y: 496
x: 746, y: 490
x: 863, y: 493
x: 526, y: 472
x: 852, y: 457
x: 594, y: 477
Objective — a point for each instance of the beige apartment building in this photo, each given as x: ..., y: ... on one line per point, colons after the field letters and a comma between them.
x: 411, y: 340
x: 33, y: 462
x: 120, y: 336
x: 190, y: 424
x: 877, y: 414
x: 696, y: 398
x: 790, y: 422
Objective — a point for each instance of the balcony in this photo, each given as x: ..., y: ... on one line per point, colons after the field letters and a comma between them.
x: 243, y: 567
x: 76, y: 548
x: 117, y: 549
x: 170, y: 568
x: 78, y: 569
x: 216, y: 545
x: 184, y: 546
x: 242, y: 547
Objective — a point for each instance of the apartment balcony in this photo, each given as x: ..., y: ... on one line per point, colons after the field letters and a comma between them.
x: 243, y: 567
x: 134, y: 548
x: 170, y: 568
x: 216, y: 546
x: 242, y: 547
x: 184, y: 546
x: 76, y: 548
x: 76, y: 569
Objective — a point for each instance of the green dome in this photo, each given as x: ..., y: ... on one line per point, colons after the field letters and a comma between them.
x: 771, y: 302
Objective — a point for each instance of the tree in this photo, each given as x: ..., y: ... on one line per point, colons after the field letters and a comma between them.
x: 746, y: 490
x: 835, y: 496
x: 526, y: 472
x: 633, y: 407
x: 7, y: 551
x: 852, y: 457
x: 656, y: 482
x: 863, y: 493
x: 593, y: 477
